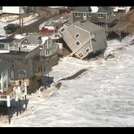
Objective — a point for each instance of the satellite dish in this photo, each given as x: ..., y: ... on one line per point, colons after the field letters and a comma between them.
x: 94, y: 9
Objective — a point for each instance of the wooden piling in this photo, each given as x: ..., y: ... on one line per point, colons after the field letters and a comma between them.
x: 9, y: 112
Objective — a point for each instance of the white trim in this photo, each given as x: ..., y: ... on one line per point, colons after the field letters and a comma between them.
x: 62, y: 29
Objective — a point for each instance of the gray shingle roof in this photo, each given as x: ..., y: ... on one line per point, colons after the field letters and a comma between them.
x: 87, y: 25
x: 4, y: 65
x: 6, y: 40
x: 33, y: 38
x: 81, y: 9
x: 104, y: 9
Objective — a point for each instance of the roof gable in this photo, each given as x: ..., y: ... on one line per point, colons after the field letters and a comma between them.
x: 88, y: 26
x: 33, y: 38
x: 104, y: 9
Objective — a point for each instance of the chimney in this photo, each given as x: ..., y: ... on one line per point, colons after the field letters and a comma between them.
x: 40, y: 40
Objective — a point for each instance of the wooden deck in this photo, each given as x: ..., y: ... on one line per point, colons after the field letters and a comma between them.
x: 8, y: 91
x: 119, y: 26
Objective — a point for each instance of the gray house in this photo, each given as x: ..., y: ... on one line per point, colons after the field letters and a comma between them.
x: 48, y: 49
x: 83, y: 37
x: 30, y: 56
x: 22, y: 62
x: 102, y: 16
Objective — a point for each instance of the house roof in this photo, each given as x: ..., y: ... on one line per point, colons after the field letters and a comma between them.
x: 33, y: 38
x: 87, y: 25
x: 4, y: 65
x: 104, y: 9
x: 6, y: 40
x: 81, y: 9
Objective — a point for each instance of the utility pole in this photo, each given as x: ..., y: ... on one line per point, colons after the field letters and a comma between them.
x: 20, y: 19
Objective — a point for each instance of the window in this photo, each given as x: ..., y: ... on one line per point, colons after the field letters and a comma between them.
x: 77, y: 35
x: 100, y: 15
x: 87, y: 49
x: 22, y: 73
x: 80, y: 55
x: 44, y: 69
x: 77, y: 14
x: 48, y: 52
x: 11, y: 44
x: 77, y: 43
x: 62, y: 30
x: 1, y: 45
x: 93, y: 39
x: 39, y: 68
x: 89, y: 14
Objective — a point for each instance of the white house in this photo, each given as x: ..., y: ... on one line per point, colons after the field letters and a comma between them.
x: 13, y: 9
x: 4, y: 75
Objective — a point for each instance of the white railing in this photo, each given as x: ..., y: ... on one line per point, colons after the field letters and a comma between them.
x: 19, y: 91
x: 3, y: 97
x: 12, y: 94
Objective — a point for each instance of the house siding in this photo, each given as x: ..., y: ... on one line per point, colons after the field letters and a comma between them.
x: 83, y: 50
x: 107, y: 20
x: 99, y: 42
x: 5, y: 46
x: 77, y: 18
x: 70, y: 39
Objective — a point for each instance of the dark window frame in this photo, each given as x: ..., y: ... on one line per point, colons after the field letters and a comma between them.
x: 77, y: 42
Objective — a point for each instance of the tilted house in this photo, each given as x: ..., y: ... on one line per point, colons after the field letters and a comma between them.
x: 83, y: 37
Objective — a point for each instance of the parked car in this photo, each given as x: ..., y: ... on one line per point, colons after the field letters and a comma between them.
x: 11, y: 28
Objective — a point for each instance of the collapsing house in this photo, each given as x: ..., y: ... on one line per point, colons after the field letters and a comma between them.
x: 83, y: 38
